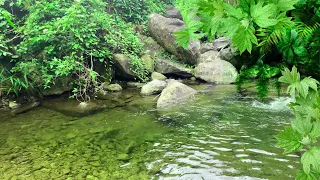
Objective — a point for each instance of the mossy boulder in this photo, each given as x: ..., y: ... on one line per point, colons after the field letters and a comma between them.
x: 149, y: 62
x: 113, y: 88
x: 158, y: 76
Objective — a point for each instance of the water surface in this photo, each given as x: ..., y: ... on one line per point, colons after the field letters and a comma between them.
x: 219, y: 135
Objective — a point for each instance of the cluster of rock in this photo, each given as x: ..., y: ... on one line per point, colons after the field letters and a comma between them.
x: 214, y: 62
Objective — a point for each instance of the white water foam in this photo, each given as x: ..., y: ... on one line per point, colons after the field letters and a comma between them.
x: 278, y: 104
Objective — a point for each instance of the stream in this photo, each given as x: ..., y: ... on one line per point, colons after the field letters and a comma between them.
x: 218, y: 135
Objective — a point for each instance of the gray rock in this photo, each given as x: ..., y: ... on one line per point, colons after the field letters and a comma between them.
x: 153, y: 87
x: 217, y: 71
x: 221, y: 43
x: 122, y: 64
x: 228, y: 55
x: 175, y: 93
x: 113, y: 88
x: 173, y: 12
x: 208, y: 56
x: 205, y: 47
x: 162, y: 29
x: 158, y: 76
x: 165, y: 66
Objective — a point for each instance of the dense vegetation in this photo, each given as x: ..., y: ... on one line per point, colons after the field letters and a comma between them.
x: 304, y: 132
x: 43, y: 41
x: 269, y: 35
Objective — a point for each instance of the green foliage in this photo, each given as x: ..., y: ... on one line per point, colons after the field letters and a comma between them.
x: 305, y: 129
x: 139, y: 68
x: 248, y: 24
x: 263, y: 74
x: 301, y: 45
x: 137, y: 11
x: 58, y: 39
x: 14, y: 82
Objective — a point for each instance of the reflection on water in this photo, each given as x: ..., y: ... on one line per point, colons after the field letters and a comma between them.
x: 217, y: 136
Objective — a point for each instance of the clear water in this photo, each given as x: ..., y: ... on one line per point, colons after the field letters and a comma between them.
x: 216, y: 136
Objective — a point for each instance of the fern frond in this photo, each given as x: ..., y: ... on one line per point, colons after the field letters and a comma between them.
x: 269, y: 38
x: 307, y: 29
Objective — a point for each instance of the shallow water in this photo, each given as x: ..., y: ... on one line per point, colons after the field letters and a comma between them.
x: 219, y: 135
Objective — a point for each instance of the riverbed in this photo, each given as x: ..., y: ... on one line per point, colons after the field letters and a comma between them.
x: 217, y: 135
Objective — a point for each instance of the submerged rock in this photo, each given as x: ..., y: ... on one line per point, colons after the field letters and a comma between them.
x: 135, y: 84
x: 153, y: 87
x: 73, y: 108
x: 113, y: 88
x: 217, y: 71
x: 175, y: 93
x: 158, y: 76
x: 162, y: 29
x: 165, y: 66
x: 25, y: 108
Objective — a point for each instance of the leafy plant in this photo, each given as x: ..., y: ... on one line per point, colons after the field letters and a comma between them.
x: 301, y: 45
x: 304, y: 131
x: 60, y: 39
x: 263, y: 74
x: 249, y: 23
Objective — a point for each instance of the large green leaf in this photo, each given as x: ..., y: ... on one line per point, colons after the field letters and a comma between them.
x: 244, y: 38
x: 315, y: 133
x: 290, y: 77
x: 311, y: 176
x: 302, y: 125
x: 262, y: 14
x: 286, y: 5
x: 290, y: 140
x: 233, y: 12
x: 311, y: 159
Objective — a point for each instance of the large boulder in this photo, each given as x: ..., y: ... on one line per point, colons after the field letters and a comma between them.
x: 208, y: 56
x: 158, y: 76
x: 153, y: 87
x: 162, y: 29
x: 217, y: 71
x: 173, y: 12
x: 167, y: 67
x: 122, y: 64
x: 175, y: 93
